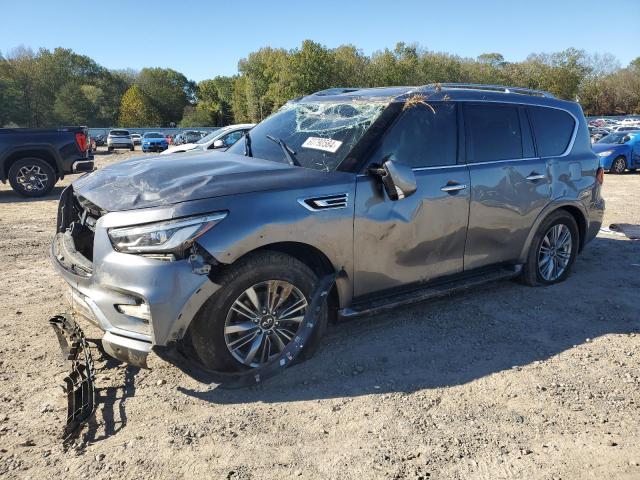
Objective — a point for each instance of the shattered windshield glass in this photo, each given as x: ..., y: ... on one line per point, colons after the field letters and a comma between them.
x: 320, y: 135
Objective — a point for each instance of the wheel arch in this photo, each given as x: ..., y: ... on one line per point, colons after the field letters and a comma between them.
x: 43, y: 153
x: 576, y: 210
x: 318, y: 262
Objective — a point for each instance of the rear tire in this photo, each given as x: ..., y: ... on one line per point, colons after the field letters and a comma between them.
x: 211, y: 333
x: 32, y: 177
x: 110, y: 149
x: 550, y: 262
x: 132, y: 148
x: 619, y: 165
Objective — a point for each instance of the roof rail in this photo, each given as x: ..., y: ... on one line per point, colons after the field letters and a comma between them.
x: 335, y: 91
x: 494, y: 88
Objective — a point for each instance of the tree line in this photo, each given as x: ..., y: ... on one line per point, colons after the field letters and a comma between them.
x: 60, y: 87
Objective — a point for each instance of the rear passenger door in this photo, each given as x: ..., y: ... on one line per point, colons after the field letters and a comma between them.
x: 420, y: 237
x: 509, y: 183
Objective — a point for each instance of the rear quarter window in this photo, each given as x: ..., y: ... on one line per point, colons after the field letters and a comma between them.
x: 553, y: 130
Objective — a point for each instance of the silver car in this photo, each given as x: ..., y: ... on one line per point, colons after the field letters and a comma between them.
x: 218, y: 140
x: 119, y: 139
x: 401, y: 193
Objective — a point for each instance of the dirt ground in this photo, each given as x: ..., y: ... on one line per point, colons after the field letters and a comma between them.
x: 504, y: 382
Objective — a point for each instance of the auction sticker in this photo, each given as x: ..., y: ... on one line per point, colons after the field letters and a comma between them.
x: 326, y: 144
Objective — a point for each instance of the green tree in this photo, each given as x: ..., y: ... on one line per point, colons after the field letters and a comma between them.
x: 137, y: 110
x: 169, y: 92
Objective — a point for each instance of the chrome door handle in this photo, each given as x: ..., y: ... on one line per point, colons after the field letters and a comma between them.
x: 453, y: 188
x: 535, y: 176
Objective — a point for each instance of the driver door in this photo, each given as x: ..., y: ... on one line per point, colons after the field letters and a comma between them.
x: 420, y: 237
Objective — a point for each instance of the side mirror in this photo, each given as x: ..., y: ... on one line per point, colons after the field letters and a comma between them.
x: 398, y: 179
x: 218, y: 144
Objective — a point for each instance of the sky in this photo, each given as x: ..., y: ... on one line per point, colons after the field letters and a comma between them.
x: 203, y: 39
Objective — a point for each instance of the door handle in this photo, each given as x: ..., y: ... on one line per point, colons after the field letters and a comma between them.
x: 535, y: 176
x: 453, y: 188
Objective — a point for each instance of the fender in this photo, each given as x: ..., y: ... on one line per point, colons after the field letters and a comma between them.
x: 31, y: 147
x: 553, y: 206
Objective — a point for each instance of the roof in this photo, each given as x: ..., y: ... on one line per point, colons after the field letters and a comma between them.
x: 442, y: 91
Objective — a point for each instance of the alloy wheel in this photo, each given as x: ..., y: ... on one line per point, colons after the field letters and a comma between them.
x: 263, y: 320
x: 618, y: 165
x: 555, y: 252
x: 32, y: 179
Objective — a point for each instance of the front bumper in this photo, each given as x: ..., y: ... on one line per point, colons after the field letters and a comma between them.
x: 172, y: 290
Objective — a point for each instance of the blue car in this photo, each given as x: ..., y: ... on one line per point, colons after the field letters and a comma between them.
x: 619, y: 151
x: 154, y: 142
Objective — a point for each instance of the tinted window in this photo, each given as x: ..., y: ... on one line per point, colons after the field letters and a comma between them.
x: 422, y: 136
x: 553, y: 129
x: 119, y: 133
x: 492, y: 133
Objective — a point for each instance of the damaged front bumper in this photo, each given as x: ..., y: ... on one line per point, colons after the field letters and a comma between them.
x: 110, y: 291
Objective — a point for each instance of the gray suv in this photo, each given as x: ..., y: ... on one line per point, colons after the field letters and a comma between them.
x: 401, y: 193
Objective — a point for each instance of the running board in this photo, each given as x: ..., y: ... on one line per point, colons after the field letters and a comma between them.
x: 429, y: 292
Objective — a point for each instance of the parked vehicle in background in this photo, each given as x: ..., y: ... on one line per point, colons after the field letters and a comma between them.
x: 220, y: 139
x: 100, y: 140
x: 596, y: 133
x: 137, y: 138
x: 191, y: 136
x: 401, y: 193
x: 154, y: 142
x: 619, y: 151
x: 119, y: 139
x: 177, y: 140
x: 623, y: 128
x: 33, y: 160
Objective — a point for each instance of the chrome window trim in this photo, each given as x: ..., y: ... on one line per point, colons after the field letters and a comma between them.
x: 507, y: 160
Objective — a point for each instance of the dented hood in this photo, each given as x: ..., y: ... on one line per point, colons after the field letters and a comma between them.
x: 165, y: 180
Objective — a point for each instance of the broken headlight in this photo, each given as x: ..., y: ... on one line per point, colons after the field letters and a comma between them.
x: 163, y: 237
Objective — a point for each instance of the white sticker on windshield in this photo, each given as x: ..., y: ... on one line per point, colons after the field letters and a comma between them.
x: 326, y: 144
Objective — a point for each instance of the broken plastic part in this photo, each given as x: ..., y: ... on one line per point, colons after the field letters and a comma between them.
x: 79, y: 383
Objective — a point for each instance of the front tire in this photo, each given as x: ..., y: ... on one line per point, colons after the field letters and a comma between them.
x: 553, y: 250
x: 619, y: 165
x: 255, y: 314
x: 32, y: 177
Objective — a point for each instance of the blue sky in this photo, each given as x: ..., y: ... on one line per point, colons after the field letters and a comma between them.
x: 203, y: 39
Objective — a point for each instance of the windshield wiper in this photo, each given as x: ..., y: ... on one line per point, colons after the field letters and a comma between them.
x: 247, y: 145
x: 288, y: 153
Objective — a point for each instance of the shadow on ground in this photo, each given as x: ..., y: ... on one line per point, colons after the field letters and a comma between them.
x: 461, y: 338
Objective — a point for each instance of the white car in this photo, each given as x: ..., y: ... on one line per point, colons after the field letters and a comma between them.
x: 220, y: 140
x: 137, y: 138
x: 119, y: 139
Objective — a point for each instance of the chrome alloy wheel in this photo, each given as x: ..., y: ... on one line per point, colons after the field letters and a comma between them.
x: 555, y: 252
x: 263, y: 320
x: 32, y: 179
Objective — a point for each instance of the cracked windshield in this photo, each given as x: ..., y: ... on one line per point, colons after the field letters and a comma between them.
x: 311, y: 135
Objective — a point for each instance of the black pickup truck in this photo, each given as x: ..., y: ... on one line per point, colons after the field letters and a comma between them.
x: 33, y: 160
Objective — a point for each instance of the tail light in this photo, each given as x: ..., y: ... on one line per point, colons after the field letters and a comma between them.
x: 81, y: 140
x: 600, y: 175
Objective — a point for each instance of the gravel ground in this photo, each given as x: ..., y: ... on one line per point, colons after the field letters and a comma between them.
x: 504, y: 382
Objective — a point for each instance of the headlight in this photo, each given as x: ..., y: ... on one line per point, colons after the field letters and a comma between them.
x: 163, y: 237
x: 606, y: 153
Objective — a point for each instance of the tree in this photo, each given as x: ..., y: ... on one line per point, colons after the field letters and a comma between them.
x: 169, y: 92
x: 197, y: 117
x: 137, y: 110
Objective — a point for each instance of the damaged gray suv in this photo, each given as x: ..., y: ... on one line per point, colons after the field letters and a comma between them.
x: 402, y: 193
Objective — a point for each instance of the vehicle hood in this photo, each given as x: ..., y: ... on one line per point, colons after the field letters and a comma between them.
x: 603, y: 147
x: 185, y: 147
x: 164, y: 180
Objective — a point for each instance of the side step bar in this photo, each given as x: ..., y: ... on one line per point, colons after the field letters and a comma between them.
x: 429, y: 292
